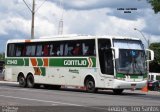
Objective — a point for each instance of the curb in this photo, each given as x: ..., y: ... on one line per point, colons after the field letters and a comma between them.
x: 147, y: 93
x: 7, y: 82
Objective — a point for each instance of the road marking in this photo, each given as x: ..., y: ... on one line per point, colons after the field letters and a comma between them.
x: 25, y: 89
x: 46, y: 101
x: 34, y: 90
x: 53, y: 102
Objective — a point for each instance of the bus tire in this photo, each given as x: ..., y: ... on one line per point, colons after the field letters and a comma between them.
x: 90, y: 85
x: 30, y: 81
x: 117, y: 91
x: 22, y: 81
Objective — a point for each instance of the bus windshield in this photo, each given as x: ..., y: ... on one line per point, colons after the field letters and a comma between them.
x: 131, y: 61
x: 131, y: 57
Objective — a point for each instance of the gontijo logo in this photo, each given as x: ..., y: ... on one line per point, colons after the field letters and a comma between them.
x: 75, y: 62
x: 78, y: 62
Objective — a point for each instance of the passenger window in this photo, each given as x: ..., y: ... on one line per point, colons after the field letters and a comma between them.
x: 39, y: 50
x: 73, y: 48
x: 18, y: 51
x: 77, y: 49
x: 80, y: 48
x: 56, y: 49
x: 11, y: 50
x: 30, y: 50
x: 51, y: 50
x: 45, y: 50
x: 88, y: 48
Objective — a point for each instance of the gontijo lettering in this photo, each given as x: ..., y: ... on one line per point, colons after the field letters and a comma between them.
x: 75, y: 62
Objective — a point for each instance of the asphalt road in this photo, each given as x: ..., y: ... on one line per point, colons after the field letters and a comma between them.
x: 69, y: 99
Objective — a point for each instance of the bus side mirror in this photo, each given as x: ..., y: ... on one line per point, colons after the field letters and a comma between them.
x: 116, y: 52
x: 150, y: 55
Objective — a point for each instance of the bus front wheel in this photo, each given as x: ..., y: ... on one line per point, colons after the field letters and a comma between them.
x: 22, y: 81
x: 117, y: 91
x: 90, y: 86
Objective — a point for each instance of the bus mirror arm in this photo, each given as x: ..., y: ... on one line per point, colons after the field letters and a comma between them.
x: 116, y: 52
x: 151, y: 55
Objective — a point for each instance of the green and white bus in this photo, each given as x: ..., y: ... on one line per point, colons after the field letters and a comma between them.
x: 90, y: 62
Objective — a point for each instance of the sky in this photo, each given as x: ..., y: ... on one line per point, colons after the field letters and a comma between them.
x: 87, y: 17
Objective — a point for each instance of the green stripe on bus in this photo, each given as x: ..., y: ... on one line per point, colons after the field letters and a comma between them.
x: 57, y: 62
x: 17, y: 62
x: 43, y: 71
x: 72, y: 62
x: 26, y: 61
x: 132, y: 76
x: 120, y: 75
x: 40, y: 62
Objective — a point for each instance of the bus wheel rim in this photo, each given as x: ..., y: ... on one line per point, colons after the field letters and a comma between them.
x: 30, y: 81
x: 90, y: 85
x: 21, y: 81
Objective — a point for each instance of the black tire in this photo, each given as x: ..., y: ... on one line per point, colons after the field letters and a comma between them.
x: 22, y: 81
x: 90, y: 86
x: 117, y: 91
x: 30, y: 81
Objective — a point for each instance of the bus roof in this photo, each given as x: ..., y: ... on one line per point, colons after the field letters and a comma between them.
x: 69, y: 37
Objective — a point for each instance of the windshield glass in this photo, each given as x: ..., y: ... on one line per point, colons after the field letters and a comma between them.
x: 128, y: 44
x: 131, y: 61
x: 131, y: 57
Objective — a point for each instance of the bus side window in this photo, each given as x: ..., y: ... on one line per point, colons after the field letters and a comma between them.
x: 56, y: 49
x: 88, y: 48
x: 30, y: 50
x: 77, y: 50
x: 11, y: 50
x: 68, y: 49
x: 45, y: 50
x: 24, y: 51
x: 39, y: 50
x: 18, y: 51
x: 61, y: 49
x: 51, y: 50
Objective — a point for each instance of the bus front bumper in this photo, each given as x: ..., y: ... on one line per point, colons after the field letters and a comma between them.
x: 120, y: 84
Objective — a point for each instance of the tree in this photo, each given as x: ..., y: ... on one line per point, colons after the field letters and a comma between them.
x: 2, y: 56
x: 155, y: 5
x: 155, y: 65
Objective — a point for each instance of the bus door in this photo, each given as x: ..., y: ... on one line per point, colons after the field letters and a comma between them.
x: 106, y: 60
